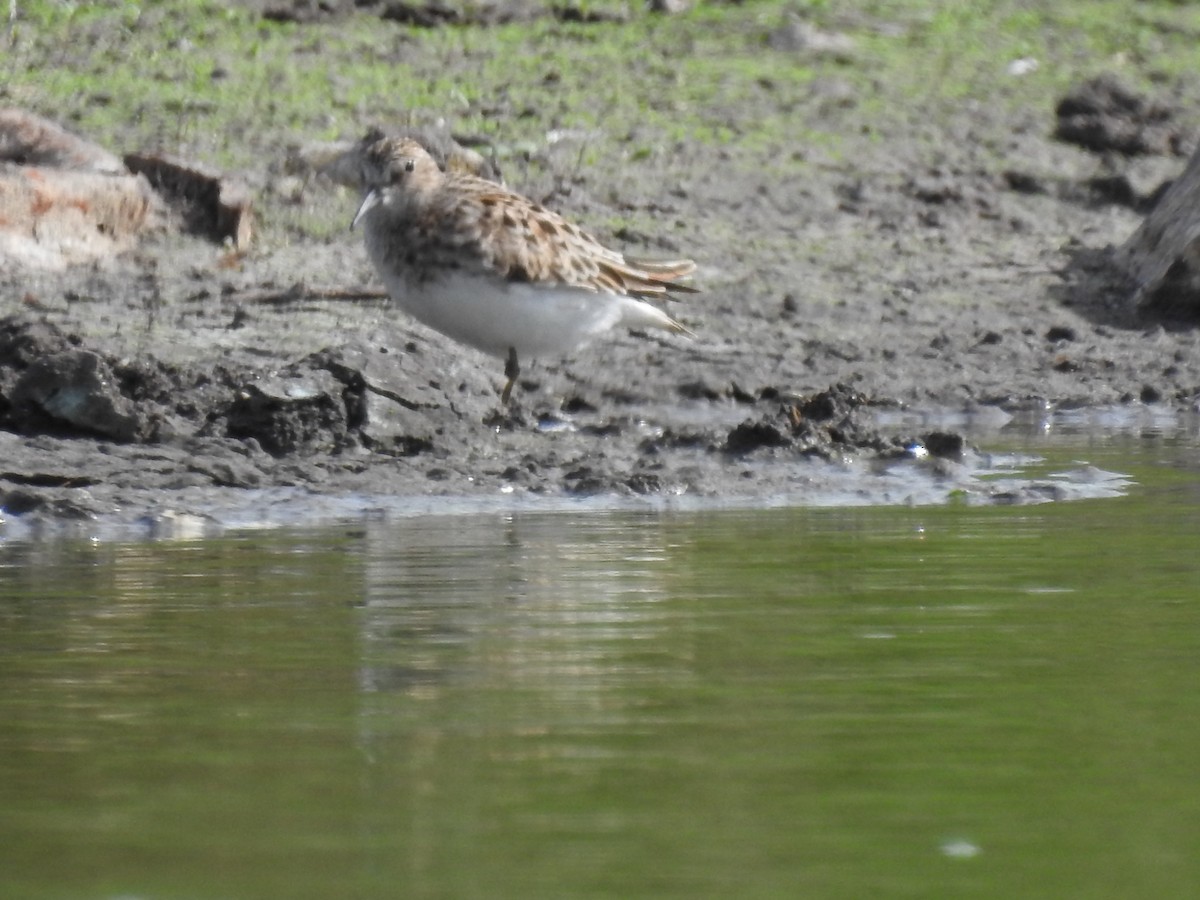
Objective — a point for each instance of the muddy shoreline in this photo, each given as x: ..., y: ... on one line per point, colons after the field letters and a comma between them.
x: 180, y: 389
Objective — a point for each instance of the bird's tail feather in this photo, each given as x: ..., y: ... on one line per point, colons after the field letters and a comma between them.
x: 647, y: 277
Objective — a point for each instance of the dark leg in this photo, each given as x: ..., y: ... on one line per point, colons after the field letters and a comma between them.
x: 511, y: 370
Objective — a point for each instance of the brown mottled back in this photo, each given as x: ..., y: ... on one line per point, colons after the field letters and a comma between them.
x: 438, y: 220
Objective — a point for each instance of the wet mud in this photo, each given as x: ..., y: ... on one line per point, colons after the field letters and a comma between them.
x: 182, y: 390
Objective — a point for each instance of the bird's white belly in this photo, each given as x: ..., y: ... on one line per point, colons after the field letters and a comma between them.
x: 492, y: 316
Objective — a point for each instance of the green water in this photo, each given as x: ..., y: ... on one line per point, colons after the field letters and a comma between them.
x: 941, y: 702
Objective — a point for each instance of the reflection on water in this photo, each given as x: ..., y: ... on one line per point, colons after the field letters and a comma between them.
x: 836, y: 703
x: 529, y: 602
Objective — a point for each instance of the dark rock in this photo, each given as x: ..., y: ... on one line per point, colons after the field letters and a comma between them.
x: 74, y: 390
x: 291, y: 414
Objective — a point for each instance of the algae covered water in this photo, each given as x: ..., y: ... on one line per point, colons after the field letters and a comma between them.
x: 943, y: 701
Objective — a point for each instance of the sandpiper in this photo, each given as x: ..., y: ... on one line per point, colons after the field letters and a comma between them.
x: 495, y: 270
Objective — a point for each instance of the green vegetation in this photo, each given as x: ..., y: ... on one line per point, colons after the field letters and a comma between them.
x: 222, y: 84
x: 163, y: 71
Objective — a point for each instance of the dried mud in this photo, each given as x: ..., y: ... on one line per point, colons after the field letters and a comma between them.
x: 951, y: 266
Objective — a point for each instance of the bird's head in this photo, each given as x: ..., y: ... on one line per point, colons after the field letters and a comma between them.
x: 396, y: 175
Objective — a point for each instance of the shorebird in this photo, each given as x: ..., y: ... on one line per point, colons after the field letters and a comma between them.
x: 494, y: 270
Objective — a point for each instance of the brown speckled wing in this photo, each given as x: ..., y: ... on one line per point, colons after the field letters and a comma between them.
x: 505, y: 234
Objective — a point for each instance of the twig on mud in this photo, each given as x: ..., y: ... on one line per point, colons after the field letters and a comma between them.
x: 299, y: 292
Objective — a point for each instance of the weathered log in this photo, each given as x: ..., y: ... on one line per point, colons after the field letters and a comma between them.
x: 1163, y: 255
x: 212, y: 205
x: 63, y: 199
x: 51, y: 218
x: 29, y: 140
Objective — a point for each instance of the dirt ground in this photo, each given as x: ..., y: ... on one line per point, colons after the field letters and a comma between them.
x: 951, y: 271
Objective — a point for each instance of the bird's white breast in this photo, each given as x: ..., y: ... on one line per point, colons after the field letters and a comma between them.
x: 493, y: 315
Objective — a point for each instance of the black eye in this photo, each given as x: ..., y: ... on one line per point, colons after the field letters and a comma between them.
x: 409, y: 165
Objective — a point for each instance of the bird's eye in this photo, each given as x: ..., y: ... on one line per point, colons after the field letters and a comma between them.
x: 409, y: 165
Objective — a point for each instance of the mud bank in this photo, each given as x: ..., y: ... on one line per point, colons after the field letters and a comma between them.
x: 146, y: 445
x: 956, y: 262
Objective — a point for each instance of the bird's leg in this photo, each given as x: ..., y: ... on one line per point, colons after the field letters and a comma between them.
x: 511, y: 370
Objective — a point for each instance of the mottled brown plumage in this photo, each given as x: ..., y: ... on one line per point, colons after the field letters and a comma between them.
x: 494, y: 269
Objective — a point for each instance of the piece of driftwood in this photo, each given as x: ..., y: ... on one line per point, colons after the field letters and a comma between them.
x: 29, y: 140
x: 64, y: 200
x: 1163, y: 255
x: 52, y: 218
x: 212, y: 205
x: 299, y: 293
